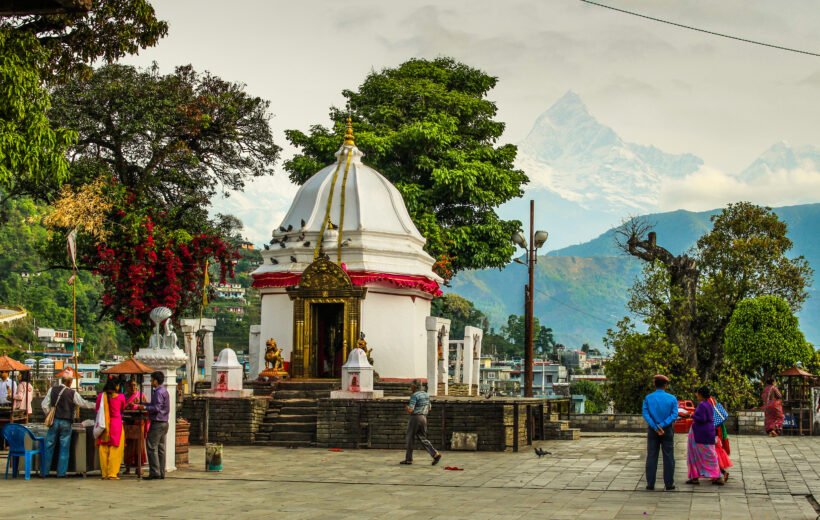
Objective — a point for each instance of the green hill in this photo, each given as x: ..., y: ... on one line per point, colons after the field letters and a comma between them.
x: 581, y: 290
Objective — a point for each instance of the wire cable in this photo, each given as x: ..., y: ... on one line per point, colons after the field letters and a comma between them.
x: 568, y: 306
x: 706, y: 31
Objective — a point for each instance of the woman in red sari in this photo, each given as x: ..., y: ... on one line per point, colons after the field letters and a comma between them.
x: 772, y: 408
x: 134, y: 435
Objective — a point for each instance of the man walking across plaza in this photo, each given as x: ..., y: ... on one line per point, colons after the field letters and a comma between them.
x: 660, y: 411
x: 418, y: 408
x: 64, y: 400
x: 158, y: 410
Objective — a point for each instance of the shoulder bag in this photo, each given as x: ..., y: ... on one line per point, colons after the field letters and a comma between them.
x: 52, y: 410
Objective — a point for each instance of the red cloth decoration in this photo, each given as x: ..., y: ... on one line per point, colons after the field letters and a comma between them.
x: 406, y: 281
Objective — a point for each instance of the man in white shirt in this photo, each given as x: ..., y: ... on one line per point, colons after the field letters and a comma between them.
x: 7, y: 388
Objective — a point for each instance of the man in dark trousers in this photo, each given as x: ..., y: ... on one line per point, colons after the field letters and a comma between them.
x: 65, y: 401
x: 418, y: 408
x: 660, y: 411
x: 158, y: 410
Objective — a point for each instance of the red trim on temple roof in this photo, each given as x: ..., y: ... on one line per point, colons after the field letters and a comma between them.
x: 405, y: 281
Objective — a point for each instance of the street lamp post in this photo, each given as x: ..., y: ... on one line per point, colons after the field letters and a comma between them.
x: 531, y: 246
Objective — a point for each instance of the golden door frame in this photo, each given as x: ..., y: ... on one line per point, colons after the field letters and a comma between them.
x: 322, y: 282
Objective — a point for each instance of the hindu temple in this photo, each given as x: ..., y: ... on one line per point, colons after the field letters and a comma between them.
x: 347, y: 263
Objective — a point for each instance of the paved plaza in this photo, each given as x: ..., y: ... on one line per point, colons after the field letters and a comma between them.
x: 594, y: 478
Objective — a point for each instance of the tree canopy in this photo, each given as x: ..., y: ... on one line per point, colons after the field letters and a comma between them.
x: 460, y: 311
x: 428, y: 127
x: 763, y: 337
x: 690, y: 298
x: 153, y: 149
x: 72, y: 42
x: 32, y: 151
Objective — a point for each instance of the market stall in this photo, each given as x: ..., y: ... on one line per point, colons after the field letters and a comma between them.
x: 798, y: 406
x: 138, y: 418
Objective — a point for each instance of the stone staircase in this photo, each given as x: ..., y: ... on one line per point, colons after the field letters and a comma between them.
x: 558, y: 430
x: 291, y: 417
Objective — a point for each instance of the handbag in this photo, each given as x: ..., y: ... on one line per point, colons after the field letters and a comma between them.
x: 720, y: 414
x: 52, y: 410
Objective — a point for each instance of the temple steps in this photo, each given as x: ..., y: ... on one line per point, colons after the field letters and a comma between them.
x: 290, y: 420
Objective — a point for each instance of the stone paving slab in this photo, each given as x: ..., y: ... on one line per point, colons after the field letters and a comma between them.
x: 597, y: 477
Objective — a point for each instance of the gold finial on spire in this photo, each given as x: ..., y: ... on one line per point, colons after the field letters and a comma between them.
x: 349, y: 133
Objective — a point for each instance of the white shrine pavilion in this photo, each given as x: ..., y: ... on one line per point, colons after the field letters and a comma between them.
x: 347, y: 259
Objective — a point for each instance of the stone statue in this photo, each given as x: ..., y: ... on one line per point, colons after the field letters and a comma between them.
x: 362, y: 344
x: 273, y: 358
x: 161, y: 316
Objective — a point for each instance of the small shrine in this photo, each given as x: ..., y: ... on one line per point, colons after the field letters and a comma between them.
x: 357, y: 378
x: 346, y: 258
x: 226, y: 376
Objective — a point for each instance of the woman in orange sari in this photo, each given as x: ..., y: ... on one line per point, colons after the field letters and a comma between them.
x: 134, y: 434
x: 112, y: 440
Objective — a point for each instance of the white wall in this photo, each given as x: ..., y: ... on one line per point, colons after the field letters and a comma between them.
x: 394, y: 328
x: 277, y: 322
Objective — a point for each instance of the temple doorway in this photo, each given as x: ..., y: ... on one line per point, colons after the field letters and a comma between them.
x: 328, y: 333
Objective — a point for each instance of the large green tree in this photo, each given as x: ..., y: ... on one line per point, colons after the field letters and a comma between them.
x: 154, y: 149
x: 428, y: 127
x: 763, y: 337
x: 690, y: 298
x: 72, y: 42
x: 43, y: 50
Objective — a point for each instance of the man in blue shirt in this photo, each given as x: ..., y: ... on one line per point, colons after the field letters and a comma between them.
x: 418, y: 407
x: 660, y: 411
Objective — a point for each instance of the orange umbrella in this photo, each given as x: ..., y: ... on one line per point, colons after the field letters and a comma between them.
x: 8, y: 364
x: 129, y: 366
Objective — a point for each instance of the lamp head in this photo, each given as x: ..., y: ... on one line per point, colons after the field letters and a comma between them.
x: 519, y: 240
x: 540, y: 238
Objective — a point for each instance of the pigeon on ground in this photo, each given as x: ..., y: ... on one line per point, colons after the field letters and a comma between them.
x: 307, y: 244
x: 331, y: 225
x: 293, y: 259
x: 489, y: 393
x: 282, y: 244
x: 303, y: 223
x: 282, y: 229
x: 266, y: 246
x: 541, y: 453
x: 346, y: 243
x: 290, y: 227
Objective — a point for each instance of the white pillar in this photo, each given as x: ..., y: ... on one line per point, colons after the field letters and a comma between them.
x: 208, y: 351
x: 189, y: 333
x: 478, y: 338
x: 458, y: 373
x: 437, y: 368
x: 256, y: 353
x: 471, y: 336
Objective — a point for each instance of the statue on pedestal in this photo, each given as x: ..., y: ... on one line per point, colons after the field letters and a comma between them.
x: 274, y: 362
x: 168, y: 339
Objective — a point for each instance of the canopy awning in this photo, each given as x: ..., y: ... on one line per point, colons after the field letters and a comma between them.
x: 129, y: 366
x: 8, y: 364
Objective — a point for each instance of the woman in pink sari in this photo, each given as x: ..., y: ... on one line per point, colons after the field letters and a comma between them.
x: 772, y: 408
x: 701, y: 457
x: 112, y: 440
x: 134, y: 434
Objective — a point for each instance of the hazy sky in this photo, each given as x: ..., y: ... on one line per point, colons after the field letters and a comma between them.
x: 679, y: 90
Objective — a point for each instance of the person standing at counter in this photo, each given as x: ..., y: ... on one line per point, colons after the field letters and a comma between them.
x: 112, y: 440
x: 134, y: 433
x: 158, y: 411
x: 24, y: 394
x: 65, y: 401
x: 7, y: 388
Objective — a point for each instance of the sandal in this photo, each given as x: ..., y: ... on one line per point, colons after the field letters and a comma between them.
x: 717, y: 482
x: 693, y: 482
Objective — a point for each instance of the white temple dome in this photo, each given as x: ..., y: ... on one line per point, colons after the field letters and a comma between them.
x: 377, y: 232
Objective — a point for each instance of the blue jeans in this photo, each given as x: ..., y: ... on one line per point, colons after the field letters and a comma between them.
x: 60, y: 430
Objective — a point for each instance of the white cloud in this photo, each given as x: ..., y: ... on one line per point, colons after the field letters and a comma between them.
x: 709, y: 188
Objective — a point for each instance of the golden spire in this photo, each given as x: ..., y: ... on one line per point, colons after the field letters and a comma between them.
x: 349, y: 133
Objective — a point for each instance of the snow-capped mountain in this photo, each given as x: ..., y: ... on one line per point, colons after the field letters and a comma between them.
x: 571, y: 154
x: 782, y: 157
